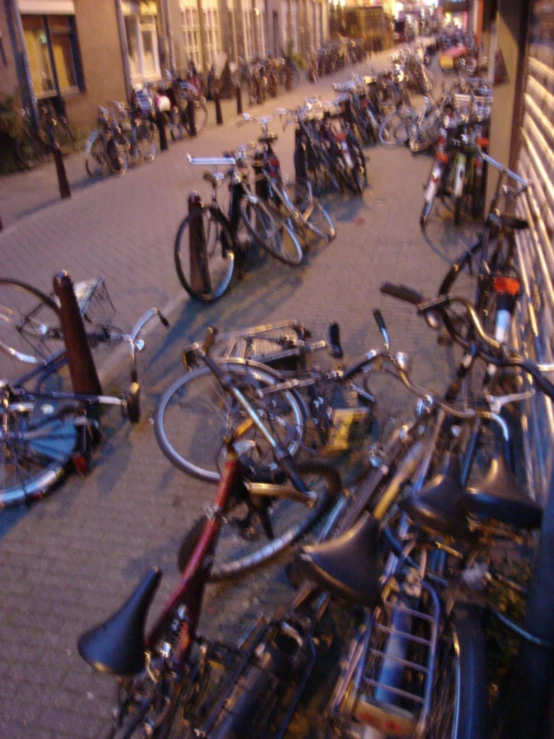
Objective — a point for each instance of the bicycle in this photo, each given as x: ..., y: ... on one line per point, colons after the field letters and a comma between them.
x: 161, y: 677
x: 411, y: 670
x: 291, y: 203
x: 35, y: 141
x: 43, y: 430
x: 307, y: 408
x: 209, y: 243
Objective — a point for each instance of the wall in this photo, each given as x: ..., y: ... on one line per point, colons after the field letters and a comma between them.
x: 100, y: 47
x: 8, y: 71
x: 508, y: 33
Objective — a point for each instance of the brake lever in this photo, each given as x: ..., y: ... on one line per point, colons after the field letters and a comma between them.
x: 496, y: 402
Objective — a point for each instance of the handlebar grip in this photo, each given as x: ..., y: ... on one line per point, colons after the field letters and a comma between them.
x: 379, y: 320
x: 163, y: 320
x: 401, y: 292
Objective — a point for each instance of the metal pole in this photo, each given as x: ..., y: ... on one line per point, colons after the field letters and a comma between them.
x: 82, y: 369
x: 169, y: 36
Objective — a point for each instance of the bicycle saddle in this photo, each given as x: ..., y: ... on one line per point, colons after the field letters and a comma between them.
x: 269, y: 138
x: 512, y: 222
x: 118, y: 645
x: 437, y: 506
x: 499, y: 495
x: 347, y: 566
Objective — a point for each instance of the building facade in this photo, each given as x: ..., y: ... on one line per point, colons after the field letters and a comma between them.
x: 84, y: 53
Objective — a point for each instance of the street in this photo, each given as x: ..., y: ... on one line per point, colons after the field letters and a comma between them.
x: 68, y: 561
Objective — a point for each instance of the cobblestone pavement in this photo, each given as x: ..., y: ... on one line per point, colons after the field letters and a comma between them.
x: 69, y: 561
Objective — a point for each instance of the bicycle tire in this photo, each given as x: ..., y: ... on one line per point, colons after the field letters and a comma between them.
x: 460, y: 710
x: 30, y: 467
x: 289, y: 535
x: 220, y: 258
x: 29, y: 324
x: 146, y: 142
x: 64, y: 136
x: 117, y: 155
x: 287, y: 246
x: 95, y: 154
x: 425, y: 214
x: 395, y: 127
x: 273, y: 232
x: 200, y: 116
x: 426, y: 134
x: 212, y: 411
x: 30, y: 149
x: 319, y: 222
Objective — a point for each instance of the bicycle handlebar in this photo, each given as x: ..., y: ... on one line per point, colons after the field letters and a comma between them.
x: 211, y: 161
x: 505, y: 356
x: 504, y: 170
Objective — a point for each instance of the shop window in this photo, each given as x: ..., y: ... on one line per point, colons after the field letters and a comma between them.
x: 52, y: 50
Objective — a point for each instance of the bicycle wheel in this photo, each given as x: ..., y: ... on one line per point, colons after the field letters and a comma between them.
x: 195, y: 414
x: 207, y: 275
x: 30, y: 329
x: 117, y: 155
x: 95, y: 154
x: 32, y: 459
x: 272, y: 230
x: 426, y: 134
x: 64, y: 136
x: 320, y: 222
x: 460, y: 694
x: 200, y: 116
x: 29, y: 148
x: 238, y: 549
x: 146, y: 143
x: 395, y: 127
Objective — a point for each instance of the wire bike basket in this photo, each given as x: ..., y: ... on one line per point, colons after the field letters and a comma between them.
x: 94, y: 302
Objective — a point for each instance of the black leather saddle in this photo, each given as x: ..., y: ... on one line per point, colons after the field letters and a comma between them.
x: 437, y: 505
x: 118, y: 645
x: 499, y: 495
x: 347, y: 566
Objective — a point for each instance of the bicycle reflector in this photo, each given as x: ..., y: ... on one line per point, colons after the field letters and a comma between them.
x: 442, y: 157
x: 507, y: 285
x: 482, y: 142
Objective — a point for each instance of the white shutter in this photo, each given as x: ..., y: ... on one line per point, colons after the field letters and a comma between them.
x: 535, y: 246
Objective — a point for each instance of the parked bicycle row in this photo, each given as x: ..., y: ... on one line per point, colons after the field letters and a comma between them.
x: 409, y: 556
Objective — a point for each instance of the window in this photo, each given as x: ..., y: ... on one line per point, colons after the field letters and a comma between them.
x: 191, y: 34
x: 142, y: 45
x: 211, y: 34
x: 51, y: 45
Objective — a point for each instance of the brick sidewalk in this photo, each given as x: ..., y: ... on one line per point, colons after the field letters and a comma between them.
x: 67, y: 562
x: 26, y: 193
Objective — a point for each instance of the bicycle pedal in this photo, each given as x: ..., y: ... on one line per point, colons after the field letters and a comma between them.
x: 444, y: 340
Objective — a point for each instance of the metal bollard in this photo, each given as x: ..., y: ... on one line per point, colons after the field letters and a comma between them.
x: 238, y: 93
x: 162, y: 130
x: 63, y: 182
x: 191, y: 116
x: 200, y: 279
x: 288, y: 84
x: 218, y: 114
x: 82, y: 369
